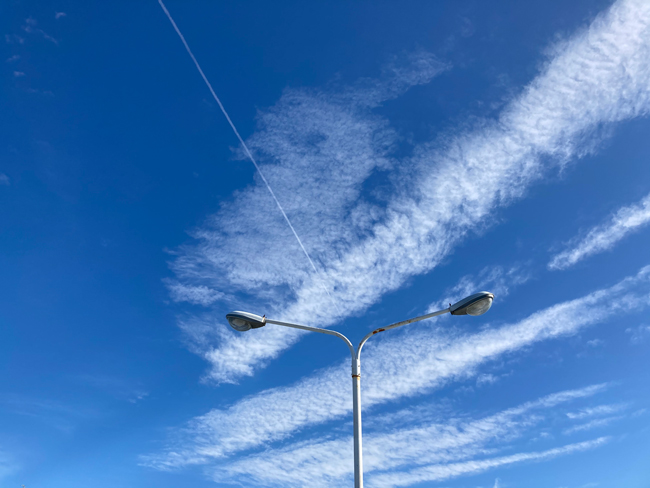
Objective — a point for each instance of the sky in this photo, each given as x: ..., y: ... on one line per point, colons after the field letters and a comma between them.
x: 343, y: 165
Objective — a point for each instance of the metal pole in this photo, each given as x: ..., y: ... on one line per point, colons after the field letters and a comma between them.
x: 356, y: 379
x: 356, y: 402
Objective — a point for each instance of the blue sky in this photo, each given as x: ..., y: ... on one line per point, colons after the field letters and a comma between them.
x: 421, y: 150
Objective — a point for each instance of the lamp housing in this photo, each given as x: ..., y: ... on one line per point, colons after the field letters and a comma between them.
x: 476, y: 304
x: 243, y: 321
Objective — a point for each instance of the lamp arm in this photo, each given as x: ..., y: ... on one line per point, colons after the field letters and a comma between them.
x: 357, y: 355
x: 316, y: 329
x: 398, y: 324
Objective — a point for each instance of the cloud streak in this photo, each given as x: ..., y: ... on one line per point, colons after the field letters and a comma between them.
x: 593, y: 424
x: 605, y: 236
x: 596, y: 411
x: 7, y: 464
x: 445, y: 472
x: 638, y: 334
x: 243, y: 144
x: 598, y: 77
x: 433, y: 359
x: 197, y: 295
x: 497, y: 279
x: 428, y: 442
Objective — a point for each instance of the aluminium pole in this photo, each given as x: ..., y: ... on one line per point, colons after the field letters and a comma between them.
x: 356, y: 402
x: 356, y: 377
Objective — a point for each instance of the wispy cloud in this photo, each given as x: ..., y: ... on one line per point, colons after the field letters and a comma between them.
x: 444, y: 472
x: 593, y: 424
x: 603, y: 237
x: 486, y: 379
x: 52, y: 413
x: 13, y: 39
x: 197, y: 295
x: 30, y: 27
x: 596, y: 411
x: 426, y: 443
x: 114, y: 386
x: 138, y: 395
x: 7, y: 464
x: 18, y: 74
x: 598, y: 77
x: 638, y: 334
x: 13, y: 58
x: 496, y: 279
x: 60, y: 15
x: 432, y: 357
x: 305, y: 143
x: 4, y: 180
x: 244, y: 146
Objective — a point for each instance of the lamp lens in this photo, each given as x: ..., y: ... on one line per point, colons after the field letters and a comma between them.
x: 480, y: 307
x: 239, y: 324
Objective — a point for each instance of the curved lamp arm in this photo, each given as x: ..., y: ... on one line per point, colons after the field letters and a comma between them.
x: 399, y: 324
x: 356, y: 355
x: 316, y: 329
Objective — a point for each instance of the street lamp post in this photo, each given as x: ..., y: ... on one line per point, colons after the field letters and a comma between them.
x: 476, y: 304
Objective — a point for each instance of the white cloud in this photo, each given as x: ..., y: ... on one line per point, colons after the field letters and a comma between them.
x: 439, y: 441
x: 486, y: 379
x: 596, y: 411
x: 13, y: 58
x: 30, y: 28
x: 18, y: 74
x: 495, y: 279
x: 444, y: 472
x: 593, y: 424
x: 59, y: 15
x: 4, y: 180
x: 432, y: 357
x: 198, y: 295
x: 306, y: 142
x: 427, y: 438
x: 7, y: 464
x: 13, y: 38
x: 61, y: 416
x: 603, y: 237
x: 638, y: 334
x: 139, y: 395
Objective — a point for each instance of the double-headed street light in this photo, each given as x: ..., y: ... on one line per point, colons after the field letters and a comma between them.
x: 476, y: 304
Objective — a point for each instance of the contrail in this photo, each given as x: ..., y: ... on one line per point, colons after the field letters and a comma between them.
x: 248, y: 153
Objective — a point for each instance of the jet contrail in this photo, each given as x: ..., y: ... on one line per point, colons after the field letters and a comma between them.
x: 248, y: 153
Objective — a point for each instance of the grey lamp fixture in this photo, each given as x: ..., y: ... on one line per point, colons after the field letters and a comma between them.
x: 476, y: 304
x: 243, y: 321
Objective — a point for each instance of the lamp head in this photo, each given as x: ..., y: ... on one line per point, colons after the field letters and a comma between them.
x: 476, y: 304
x: 243, y: 321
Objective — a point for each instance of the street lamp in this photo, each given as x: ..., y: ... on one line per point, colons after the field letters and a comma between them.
x: 476, y: 304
